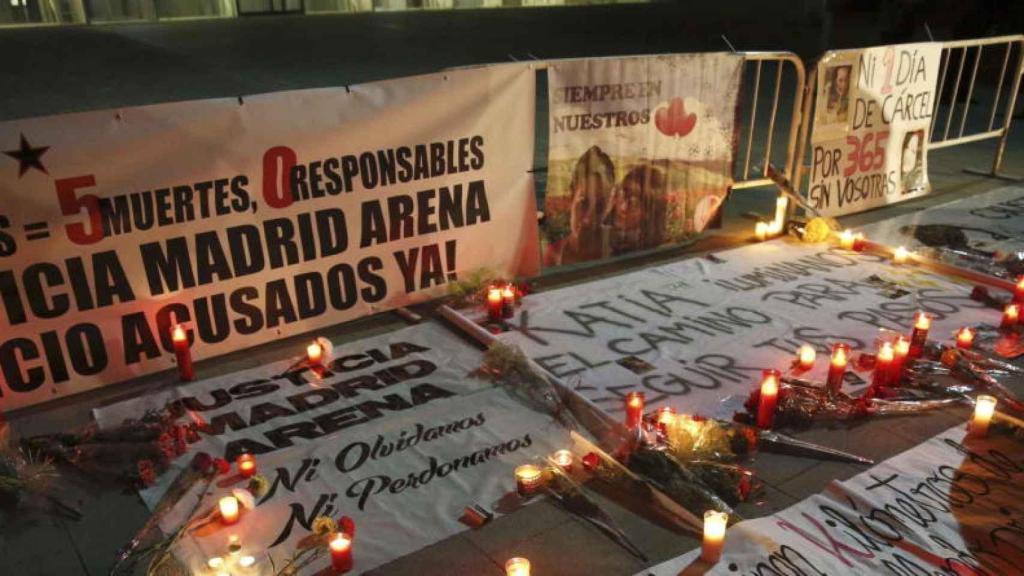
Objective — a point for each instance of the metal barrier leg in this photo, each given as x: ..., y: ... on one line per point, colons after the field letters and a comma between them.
x: 997, y: 163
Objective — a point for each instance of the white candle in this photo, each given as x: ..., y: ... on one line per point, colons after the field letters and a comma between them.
x: 984, y: 407
x: 517, y: 567
x: 900, y: 255
x: 714, y: 535
x: 228, y: 509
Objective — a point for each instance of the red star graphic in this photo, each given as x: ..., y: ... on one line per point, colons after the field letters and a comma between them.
x: 28, y: 157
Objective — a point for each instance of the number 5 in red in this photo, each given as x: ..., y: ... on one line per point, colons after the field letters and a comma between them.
x: 72, y: 205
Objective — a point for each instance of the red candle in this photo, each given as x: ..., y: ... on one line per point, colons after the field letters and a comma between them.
x: 182, y: 353
x: 634, y: 409
x: 1018, y: 291
x: 805, y: 357
x: 508, y: 302
x: 341, y: 552
x: 228, y: 506
x: 837, y: 368
x: 246, y: 465
x: 965, y: 338
x: 859, y: 242
x: 1011, y: 315
x: 494, y: 303
x: 900, y: 351
x: 919, y: 336
x: 769, y: 398
x: 884, y: 362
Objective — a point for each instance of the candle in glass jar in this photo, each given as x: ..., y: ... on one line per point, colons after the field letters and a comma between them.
x: 665, y: 416
x: 846, y: 239
x: 768, y: 399
x: 883, y: 365
x: 984, y: 408
x: 965, y: 338
x: 228, y: 506
x: 494, y: 303
x: 634, y: 409
x: 182, y: 353
x: 837, y: 367
x: 508, y: 302
x: 528, y: 479
x: 761, y: 230
x: 714, y: 535
x: 315, y: 353
x: 563, y: 459
x: 517, y: 567
x: 806, y: 356
x: 900, y: 255
x: 341, y: 552
x: 246, y: 465
x: 1011, y: 315
x: 919, y: 336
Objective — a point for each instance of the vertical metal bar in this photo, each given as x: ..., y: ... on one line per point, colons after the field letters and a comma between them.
x: 793, y: 156
x: 811, y: 87
x: 1008, y: 117
x: 956, y: 92
x: 771, y: 121
x: 999, y: 87
x: 938, y: 91
x: 753, y: 119
x: 970, y: 89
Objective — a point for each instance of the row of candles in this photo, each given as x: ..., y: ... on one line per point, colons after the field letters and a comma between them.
x: 501, y: 302
x: 530, y: 478
x: 339, y: 544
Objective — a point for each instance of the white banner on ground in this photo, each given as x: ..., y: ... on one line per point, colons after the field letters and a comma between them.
x: 872, y: 116
x: 404, y: 481
x: 694, y: 331
x: 284, y: 404
x: 952, y: 505
x: 250, y: 219
x: 978, y: 224
x: 641, y: 151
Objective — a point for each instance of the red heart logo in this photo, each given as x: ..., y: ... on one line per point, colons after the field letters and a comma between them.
x: 672, y: 120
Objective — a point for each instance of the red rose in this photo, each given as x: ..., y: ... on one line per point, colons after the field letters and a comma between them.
x: 223, y: 466
x: 698, y: 418
x: 979, y: 293
x: 347, y: 526
x: 147, y: 472
x: 202, y: 462
x: 591, y: 462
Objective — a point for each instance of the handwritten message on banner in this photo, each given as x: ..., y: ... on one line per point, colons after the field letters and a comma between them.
x: 274, y: 407
x: 251, y: 218
x: 872, y: 115
x: 952, y: 505
x: 692, y: 332
x: 404, y: 480
x: 641, y: 151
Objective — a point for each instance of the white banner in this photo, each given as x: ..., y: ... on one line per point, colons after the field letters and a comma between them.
x: 641, y: 151
x: 949, y: 506
x: 284, y: 404
x: 436, y: 461
x: 692, y: 332
x: 250, y: 219
x: 976, y: 225
x: 872, y: 116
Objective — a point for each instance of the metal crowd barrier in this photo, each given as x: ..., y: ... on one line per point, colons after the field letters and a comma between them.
x: 957, y: 54
x: 762, y: 138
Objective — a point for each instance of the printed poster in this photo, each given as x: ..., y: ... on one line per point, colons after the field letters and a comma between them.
x: 872, y: 118
x: 640, y: 152
x: 249, y: 219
